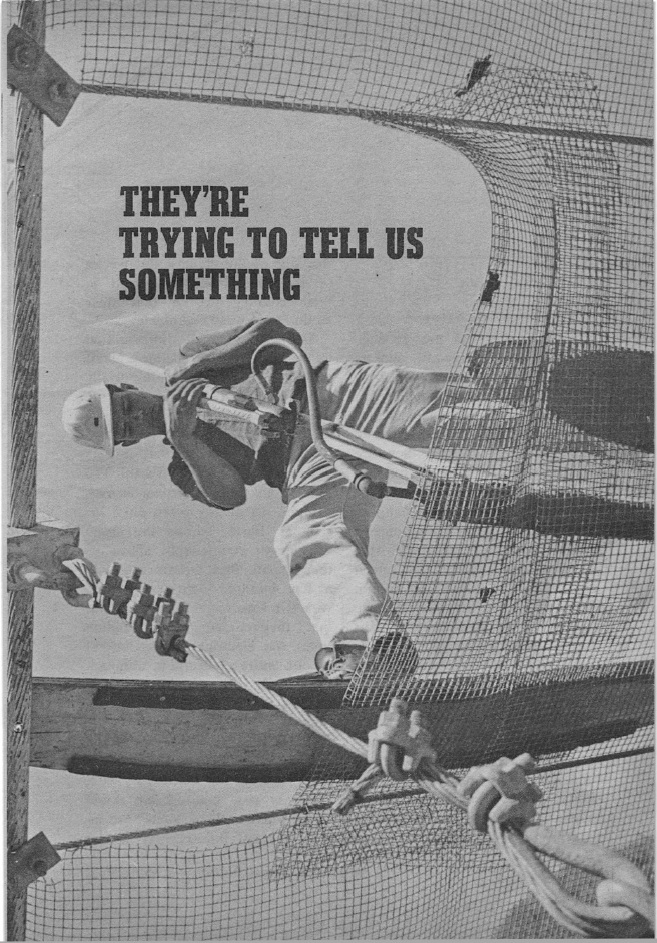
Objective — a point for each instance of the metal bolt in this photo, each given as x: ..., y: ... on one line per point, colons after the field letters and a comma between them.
x: 24, y: 57
x: 18, y: 728
x: 40, y: 867
x: 57, y: 91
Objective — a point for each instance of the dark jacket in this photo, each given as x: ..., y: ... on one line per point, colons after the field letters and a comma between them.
x: 224, y: 359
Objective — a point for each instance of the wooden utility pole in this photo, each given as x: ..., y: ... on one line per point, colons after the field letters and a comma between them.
x: 23, y: 371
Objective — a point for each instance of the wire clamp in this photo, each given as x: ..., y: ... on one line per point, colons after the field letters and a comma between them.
x: 171, y: 630
x: 141, y: 612
x: 115, y: 593
x: 400, y: 742
x: 31, y: 861
x: 501, y: 793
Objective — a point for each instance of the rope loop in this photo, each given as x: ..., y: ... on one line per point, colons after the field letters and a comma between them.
x: 627, y: 897
x: 624, y: 891
x: 501, y: 792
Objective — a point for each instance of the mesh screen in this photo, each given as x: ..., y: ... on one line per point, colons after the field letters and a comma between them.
x: 526, y: 560
x: 385, y: 57
x: 416, y: 872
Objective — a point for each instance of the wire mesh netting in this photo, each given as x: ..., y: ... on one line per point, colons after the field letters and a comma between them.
x: 421, y: 869
x: 526, y: 561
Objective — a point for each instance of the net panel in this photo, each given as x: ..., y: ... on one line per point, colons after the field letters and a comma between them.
x: 373, y: 888
x: 529, y: 563
x: 385, y: 56
x: 543, y: 528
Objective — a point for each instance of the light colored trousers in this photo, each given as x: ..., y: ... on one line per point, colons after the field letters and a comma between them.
x: 324, y: 539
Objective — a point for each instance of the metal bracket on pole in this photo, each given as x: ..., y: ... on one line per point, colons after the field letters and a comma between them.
x: 36, y: 74
x: 34, y: 556
x: 49, y: 556
x: 31, y: 861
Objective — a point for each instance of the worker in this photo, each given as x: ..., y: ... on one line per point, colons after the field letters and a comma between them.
x: 324, y: 537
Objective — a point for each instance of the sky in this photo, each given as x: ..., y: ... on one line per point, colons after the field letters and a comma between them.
x: 300, y: 170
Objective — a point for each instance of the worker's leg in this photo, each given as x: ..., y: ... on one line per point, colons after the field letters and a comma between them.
x: 408, y: 406
x: 324, y: 539
x: 323, y: 543
x: 383, y: 400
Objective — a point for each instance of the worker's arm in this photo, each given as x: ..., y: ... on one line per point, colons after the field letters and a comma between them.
x: 230, y: 348
x: 217, y: 480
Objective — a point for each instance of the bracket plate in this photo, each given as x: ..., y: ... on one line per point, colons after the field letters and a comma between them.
x: 31, y: 861
x: 36, y: 74
x: 38, y: 546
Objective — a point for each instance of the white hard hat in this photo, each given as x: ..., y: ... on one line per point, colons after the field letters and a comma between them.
x: 87, y: 417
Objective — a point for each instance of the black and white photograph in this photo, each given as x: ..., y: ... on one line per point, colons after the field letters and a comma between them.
x: 329, y: 482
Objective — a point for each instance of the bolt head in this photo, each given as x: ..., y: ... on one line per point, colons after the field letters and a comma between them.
x: 24, y: 57
x: 39, y: 867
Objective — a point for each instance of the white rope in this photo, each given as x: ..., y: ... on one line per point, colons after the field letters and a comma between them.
x: 322, y: 729
x: 579, y: 918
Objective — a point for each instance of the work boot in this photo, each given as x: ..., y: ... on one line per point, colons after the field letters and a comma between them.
x: 393, y: 653
x: 339, y: 662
